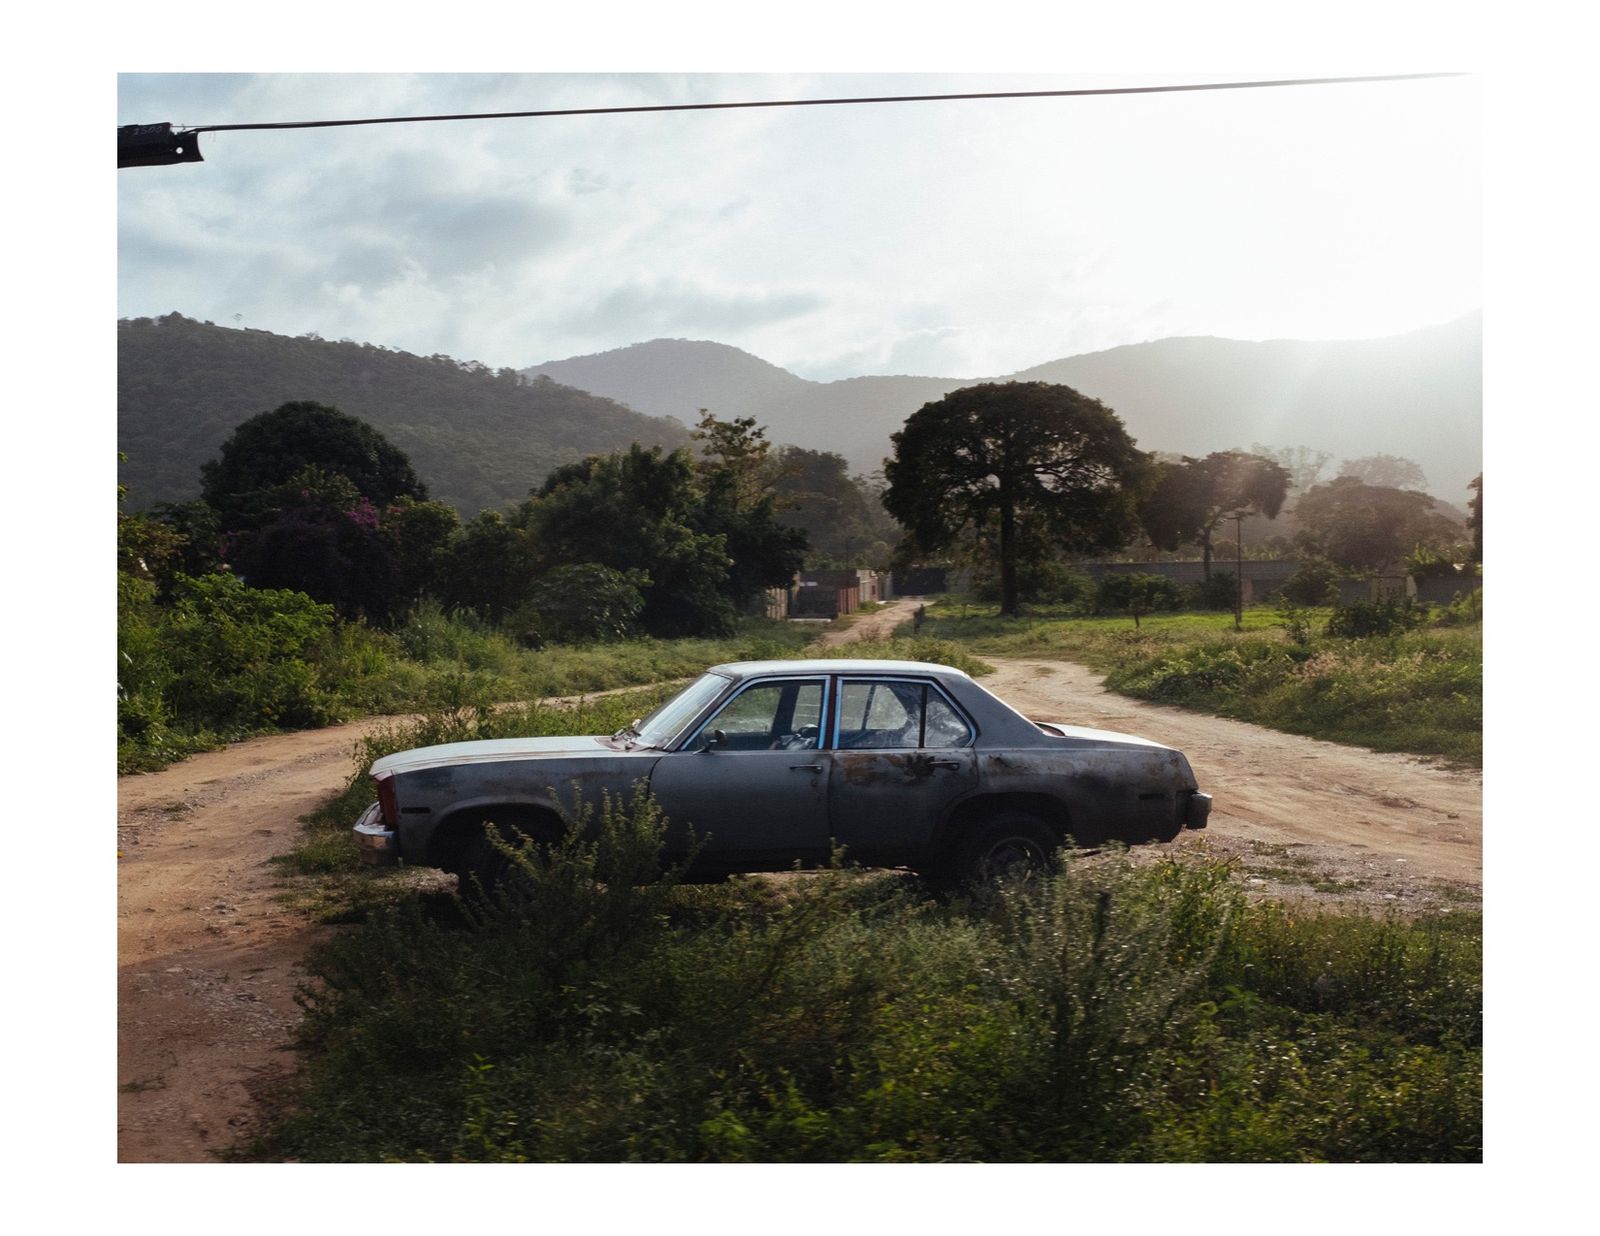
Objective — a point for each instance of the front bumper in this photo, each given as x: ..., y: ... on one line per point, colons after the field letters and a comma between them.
x: 376, y: 842
x: 1197, y: 810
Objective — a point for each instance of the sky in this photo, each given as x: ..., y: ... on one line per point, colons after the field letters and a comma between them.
x: 969, y: 238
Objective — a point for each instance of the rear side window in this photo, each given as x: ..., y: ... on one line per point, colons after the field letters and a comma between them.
x: 889, y: 714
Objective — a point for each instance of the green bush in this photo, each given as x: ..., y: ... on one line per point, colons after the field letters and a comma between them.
x: 1314, y: 582
x: 1221, y: 591
x: 1384, y: 615
x: 1115, y: 1011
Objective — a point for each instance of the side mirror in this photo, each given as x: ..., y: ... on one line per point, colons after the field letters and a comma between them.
x: 717, y: 739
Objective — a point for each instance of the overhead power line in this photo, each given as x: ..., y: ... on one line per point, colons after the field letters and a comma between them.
x: 153, y: 144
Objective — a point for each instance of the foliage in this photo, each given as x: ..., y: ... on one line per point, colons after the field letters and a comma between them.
x: 1012, y: 457
x: 842, y: 516
x: 1385, y: 471
x: 1475, y: 521
x: 1384, y: 615
x: 1117, y: 1011
x: 318, y: 535
x: 488, y: 567
x: 1191, y: 499
x: 481, y: 437
x: 271, y: 449
x: 1220, y: 591
x: 1304, y: 464
x: 1314, y: 582
x: 1419, y: 691
x: 644, y: 510
x: 1368, y: 527
x: 1136, y: 594
x: 587, y: 602
x: 219, y: 660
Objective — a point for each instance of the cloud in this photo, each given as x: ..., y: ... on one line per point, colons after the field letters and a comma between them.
x: 677, y: 307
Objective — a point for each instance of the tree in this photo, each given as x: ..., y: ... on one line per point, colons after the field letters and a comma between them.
x: 1304, y: 463
x: 638, y: 510
x: 320, y: 536
x: 1015, y: 456
x: 1385, y: 471
x: 1137, y: 594
x: 1475, y: 522
x: 487, y: 568
x: 267, y: 450
x: 1191, y: 499
x: 842, y: 515
x: 739, y: 450
x: 422, y: 533
x: 1369, y: 527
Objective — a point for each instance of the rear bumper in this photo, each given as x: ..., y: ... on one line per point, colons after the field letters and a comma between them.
x: 375, y: 841
x: 1197, y: 810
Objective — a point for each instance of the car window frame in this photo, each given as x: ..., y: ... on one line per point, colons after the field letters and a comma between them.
x: 928, y: 684
x: 695, y: 733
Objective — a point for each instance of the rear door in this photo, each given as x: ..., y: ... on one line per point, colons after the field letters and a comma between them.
x: 903, y: 756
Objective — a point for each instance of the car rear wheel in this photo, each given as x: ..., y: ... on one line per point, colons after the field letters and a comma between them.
x: 1010, y: 846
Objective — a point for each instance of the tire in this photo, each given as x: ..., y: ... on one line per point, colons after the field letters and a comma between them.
x: 1008, y: 846
x: 484, y: 868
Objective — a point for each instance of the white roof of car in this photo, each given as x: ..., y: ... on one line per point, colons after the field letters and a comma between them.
x: 836, y: 665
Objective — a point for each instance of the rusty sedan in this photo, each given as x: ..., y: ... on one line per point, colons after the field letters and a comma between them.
x: 770, y: 765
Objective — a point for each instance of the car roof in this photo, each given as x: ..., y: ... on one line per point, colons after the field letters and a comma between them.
x: 836, y: 665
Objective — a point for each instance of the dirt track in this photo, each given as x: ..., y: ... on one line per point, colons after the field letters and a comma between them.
x: 207, y: 958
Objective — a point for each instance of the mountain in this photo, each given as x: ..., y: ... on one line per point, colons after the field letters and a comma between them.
x: 477, y: 437
x: 1418, y: 395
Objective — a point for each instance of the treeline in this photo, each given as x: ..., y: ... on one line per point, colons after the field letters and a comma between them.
x: 1019, y: 480
x: 259, y: 603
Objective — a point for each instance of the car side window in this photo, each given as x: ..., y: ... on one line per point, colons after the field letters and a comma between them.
x: 770, y: 716
x: 888, y: 715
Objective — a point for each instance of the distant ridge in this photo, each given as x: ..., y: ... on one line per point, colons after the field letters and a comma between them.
x: 477, y: 437
x: 1418, y: 394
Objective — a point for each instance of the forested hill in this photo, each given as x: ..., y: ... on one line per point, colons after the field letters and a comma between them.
x: 477, y: 437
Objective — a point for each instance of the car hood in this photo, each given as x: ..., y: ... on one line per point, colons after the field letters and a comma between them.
x: 493, y: 749
x: 1099, y: 738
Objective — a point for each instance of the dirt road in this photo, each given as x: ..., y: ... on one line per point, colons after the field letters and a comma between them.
x: 1302, y: 817
x: 207, y: 957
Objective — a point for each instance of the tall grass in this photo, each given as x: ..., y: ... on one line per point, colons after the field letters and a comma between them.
x: 1418, y: 691
x: 250, y: 662
x: 1113, y: 1012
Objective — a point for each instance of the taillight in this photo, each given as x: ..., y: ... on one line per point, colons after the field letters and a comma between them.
x: 386, y: 799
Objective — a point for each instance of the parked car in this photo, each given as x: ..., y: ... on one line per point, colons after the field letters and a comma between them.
x: 774, y: 764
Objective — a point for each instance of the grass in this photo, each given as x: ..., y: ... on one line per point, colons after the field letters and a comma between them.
x: 437, y: 662
x: 1118, y: 1011
x: 1418, y: 692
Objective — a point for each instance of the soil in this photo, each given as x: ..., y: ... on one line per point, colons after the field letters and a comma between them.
x: 209, y: 956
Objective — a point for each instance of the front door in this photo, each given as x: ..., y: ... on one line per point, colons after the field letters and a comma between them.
x: 751, y: 783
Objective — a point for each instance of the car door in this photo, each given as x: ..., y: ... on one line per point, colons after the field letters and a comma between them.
x: 751, y: 781
x: 902, y: 757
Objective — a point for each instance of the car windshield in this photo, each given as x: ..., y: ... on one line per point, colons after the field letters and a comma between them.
x: 668, y: 721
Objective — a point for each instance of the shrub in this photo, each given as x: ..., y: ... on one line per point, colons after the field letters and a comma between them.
x: 1221, y: 591
x: 1384, y: 615
x: 1314, y: 582
x: 1137, y: 594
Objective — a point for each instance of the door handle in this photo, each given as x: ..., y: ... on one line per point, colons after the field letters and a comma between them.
x: 805, y: 767
x: 955, y: 764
